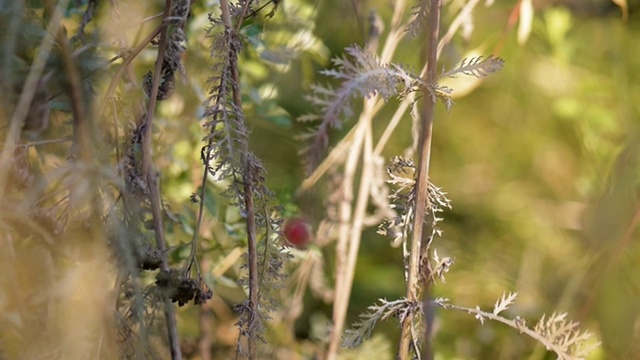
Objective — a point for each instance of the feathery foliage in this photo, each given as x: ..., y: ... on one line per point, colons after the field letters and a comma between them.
x: 361, y: 74
x: 555, y: 332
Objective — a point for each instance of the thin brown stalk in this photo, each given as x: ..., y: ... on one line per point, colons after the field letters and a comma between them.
x: 206, y: 323
x: 345, y: 245
x: 422, y: 185
x: 45, y: 142
x: 248, y: 199
x: 253, y: 261
x: 169, y: 310
x: 81, y: 126
x: 154, y: 187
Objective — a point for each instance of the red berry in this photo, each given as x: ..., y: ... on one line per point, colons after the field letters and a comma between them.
x: 297, y: 231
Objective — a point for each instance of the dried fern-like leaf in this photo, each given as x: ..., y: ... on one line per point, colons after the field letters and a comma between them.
x: 556, y: 333
x: 172, y: 62
x: 402, y: 173
x: 565, y: 334
x: 361, y: 74
x: 419, y: 13
x: 226, y: 156
x: 442, y: 266
x: 504, y: 302
x: 361, y: 330
x: 476, y: 66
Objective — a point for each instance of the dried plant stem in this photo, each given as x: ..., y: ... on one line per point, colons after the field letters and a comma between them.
x: 397, y: 32
x: 169, y: 310
x: 81, y: 126
x: 349, y: 237
x: 206, y: 323
x: 45, y: 142
x: 342, y: 288
x: 247, y: 183
x: 146, y: 140
x: 200, y: 217
x: 253, y: 262
x: 154, y: 187
x: 351, y: 224
x: 422, y: 180
x: 393, y: 123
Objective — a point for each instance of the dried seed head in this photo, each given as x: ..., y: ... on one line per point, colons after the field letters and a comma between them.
x: 166, y: 87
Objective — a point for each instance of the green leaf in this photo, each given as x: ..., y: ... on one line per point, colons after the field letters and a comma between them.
x: 280, y: 121
x: 35, y: 4
x: 210, y: 201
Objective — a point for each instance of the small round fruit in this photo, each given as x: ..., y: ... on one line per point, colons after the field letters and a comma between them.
x: 297, y: 231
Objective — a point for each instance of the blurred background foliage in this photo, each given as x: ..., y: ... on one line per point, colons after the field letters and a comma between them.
x: 541, y: 165
x: 541, y: 161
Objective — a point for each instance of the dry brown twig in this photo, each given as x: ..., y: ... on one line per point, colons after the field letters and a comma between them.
x: 152, y: 178
x: 414, y: 288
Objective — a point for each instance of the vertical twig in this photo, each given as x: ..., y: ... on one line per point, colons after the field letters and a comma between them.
x: 253, y: 259
x: 346, y: 244
x: 154, y: 186
x: 423, y: 178
x: 169, y: 310
x: 206, y: 323
x: 247, y: 183
x: 146, y: 140
x: 81, y: 126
